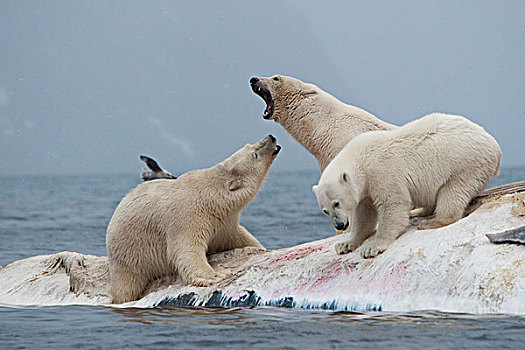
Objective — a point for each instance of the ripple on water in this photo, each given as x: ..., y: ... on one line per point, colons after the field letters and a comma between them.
x: 42, y: 215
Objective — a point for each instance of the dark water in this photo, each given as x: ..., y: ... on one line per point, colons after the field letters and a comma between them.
x: 265, y: 328
x: 45, y: 214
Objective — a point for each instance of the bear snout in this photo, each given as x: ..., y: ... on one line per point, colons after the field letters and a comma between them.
x: 277, y: 149
x: 253, y: 80
x: 341, y: 225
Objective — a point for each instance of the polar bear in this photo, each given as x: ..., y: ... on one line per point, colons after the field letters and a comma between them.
x: 163, y: 227
x: 317, y: 120
x: 438, y: 163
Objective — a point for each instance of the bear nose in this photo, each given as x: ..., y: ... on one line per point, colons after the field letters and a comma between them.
x: 254, y: 80
x: 272, y: 138
x: 341, y: 225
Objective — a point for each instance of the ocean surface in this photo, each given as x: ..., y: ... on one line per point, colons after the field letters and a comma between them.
x: 48, y: 214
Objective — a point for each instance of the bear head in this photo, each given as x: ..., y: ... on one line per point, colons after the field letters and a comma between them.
x: 280, y: 93
x: 337, y: 198
x: 244, y: 171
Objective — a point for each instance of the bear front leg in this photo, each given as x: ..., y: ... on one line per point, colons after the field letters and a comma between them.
x: 190, y: 262
x: 242, y: 238
x: 393, y: 218
x: 364, y: 221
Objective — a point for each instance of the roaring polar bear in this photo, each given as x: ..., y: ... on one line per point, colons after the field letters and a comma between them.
x: 317, y: 120
x: 438, y: 163
x: 163, y: 227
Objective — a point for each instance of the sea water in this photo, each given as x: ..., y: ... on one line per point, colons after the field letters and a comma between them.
x: 48, y: 214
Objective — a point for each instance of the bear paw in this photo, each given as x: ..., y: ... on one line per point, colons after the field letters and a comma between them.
x: 200, y: 281
x: 431, y: 224
x: 419, y: 212
x: 342, y: 248
x: 372, y: 249
x: 345, y: 247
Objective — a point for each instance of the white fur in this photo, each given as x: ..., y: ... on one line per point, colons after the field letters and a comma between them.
x: 317, y: 120
x: 163, y: 227
x: 438, y: 163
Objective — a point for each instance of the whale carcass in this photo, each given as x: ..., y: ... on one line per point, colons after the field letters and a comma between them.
x: 451, y: 269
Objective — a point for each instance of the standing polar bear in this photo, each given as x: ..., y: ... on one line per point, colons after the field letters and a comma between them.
x: 163, y: 227
x: 317, y: 120
x: 438, y: 163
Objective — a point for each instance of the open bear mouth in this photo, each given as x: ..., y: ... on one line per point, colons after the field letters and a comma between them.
x: 262, y: 91
x: 277, y: 149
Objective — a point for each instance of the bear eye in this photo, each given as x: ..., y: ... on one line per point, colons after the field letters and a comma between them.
x: 255, y: 156
x: 336, y: 205
x: 276, y: 78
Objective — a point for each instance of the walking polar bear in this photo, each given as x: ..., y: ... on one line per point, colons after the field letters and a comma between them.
x: 163, y: 226
x: 437, y: 163
x: 317, y: 120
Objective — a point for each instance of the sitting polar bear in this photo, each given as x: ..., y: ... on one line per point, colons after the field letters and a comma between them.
x: 317, y: 120
x: 438, y: 163
x: 162, y: 227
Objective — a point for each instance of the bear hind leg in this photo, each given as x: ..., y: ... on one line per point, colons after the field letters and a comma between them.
x: 126, y: 285
x: 452, y: 200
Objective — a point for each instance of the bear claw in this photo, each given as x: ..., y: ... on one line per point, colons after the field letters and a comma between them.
x: 342, y: 248
x: 372, y: 250
x: 346, y: 247
x: 206, y: 281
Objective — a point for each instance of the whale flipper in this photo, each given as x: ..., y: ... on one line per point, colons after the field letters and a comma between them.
x: 151, y: 163
x: 516, y: 235
x: 155, y: 172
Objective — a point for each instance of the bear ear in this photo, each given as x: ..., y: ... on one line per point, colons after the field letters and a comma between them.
x: 236, y: 184
x: 308, y: 90
x: 314, y: 189
x: 344, y: 178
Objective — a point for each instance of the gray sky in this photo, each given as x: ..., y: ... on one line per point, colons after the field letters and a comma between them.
x: 85, y: 87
